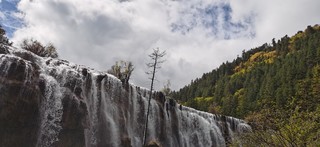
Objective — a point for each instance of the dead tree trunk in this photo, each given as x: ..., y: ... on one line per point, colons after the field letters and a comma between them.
x: 155, y: 56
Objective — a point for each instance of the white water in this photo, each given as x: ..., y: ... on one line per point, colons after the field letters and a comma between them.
x: 116, y: 114
x: 51, y: 113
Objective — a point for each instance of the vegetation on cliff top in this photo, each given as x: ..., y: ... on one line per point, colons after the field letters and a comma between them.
x: 39, y: 49
x: 3, y: 38
x: 277, y: 72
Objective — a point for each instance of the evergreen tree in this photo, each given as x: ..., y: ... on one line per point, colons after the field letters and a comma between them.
x: 266, y: 73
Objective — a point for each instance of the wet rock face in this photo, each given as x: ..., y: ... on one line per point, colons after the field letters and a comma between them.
x: 48, y: 102
x: 3, y: 50
x: 74, y: 121
x: 19, y: 103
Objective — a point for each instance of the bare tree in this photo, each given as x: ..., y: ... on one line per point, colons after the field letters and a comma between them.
x: 39, y: 49
x: 154, y: 66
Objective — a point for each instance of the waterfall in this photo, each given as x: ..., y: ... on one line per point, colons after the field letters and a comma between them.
x: 78, y: 106
x: 51, y: 110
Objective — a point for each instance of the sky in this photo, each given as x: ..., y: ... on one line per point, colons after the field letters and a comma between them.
x: 197, y: 35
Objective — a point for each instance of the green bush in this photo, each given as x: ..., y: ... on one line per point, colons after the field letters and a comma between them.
x: 275, y: 127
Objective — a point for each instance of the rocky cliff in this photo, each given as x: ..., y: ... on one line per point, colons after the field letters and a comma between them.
x: 50, y: 102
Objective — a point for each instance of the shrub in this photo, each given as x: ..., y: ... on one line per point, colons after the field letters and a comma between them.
x: 276, y: 127
x: 122, y: 70
x: 3, y: 39
x: 37, y: 48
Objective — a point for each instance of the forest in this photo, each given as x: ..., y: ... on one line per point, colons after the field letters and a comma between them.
x: 275, y: 87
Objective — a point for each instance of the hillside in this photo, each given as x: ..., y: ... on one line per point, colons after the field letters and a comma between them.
x: 270, y: 85
x: 277, y: 72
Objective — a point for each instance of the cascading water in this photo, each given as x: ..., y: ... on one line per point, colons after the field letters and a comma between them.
x: 77, y: 106
x: 51, y: 110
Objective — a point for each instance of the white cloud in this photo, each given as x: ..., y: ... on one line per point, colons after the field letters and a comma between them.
x: 278, y: 18
x: 1, y: 14
x: 97, y: 33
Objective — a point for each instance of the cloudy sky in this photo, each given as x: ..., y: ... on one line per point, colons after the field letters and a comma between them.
x: 198, y: 35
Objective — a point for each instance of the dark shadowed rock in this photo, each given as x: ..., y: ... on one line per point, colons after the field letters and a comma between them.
x: 160, y: 97
x: 172, y: 102
x: 78, y: 91
x: 84, y: 72
x: 74, y: 121
x: 100, y: 78
x: 20, y: 99
x: 75, y: 113
x: 126, y: 142
x: 3, y: 50
x: 42, y: 86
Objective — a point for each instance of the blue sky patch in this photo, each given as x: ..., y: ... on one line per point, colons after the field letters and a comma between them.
x: 10, y: 22
x: 216, y: 19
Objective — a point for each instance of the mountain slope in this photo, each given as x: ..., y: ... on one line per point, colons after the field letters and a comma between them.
x: 272, y: 74
x: 275, y: 87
